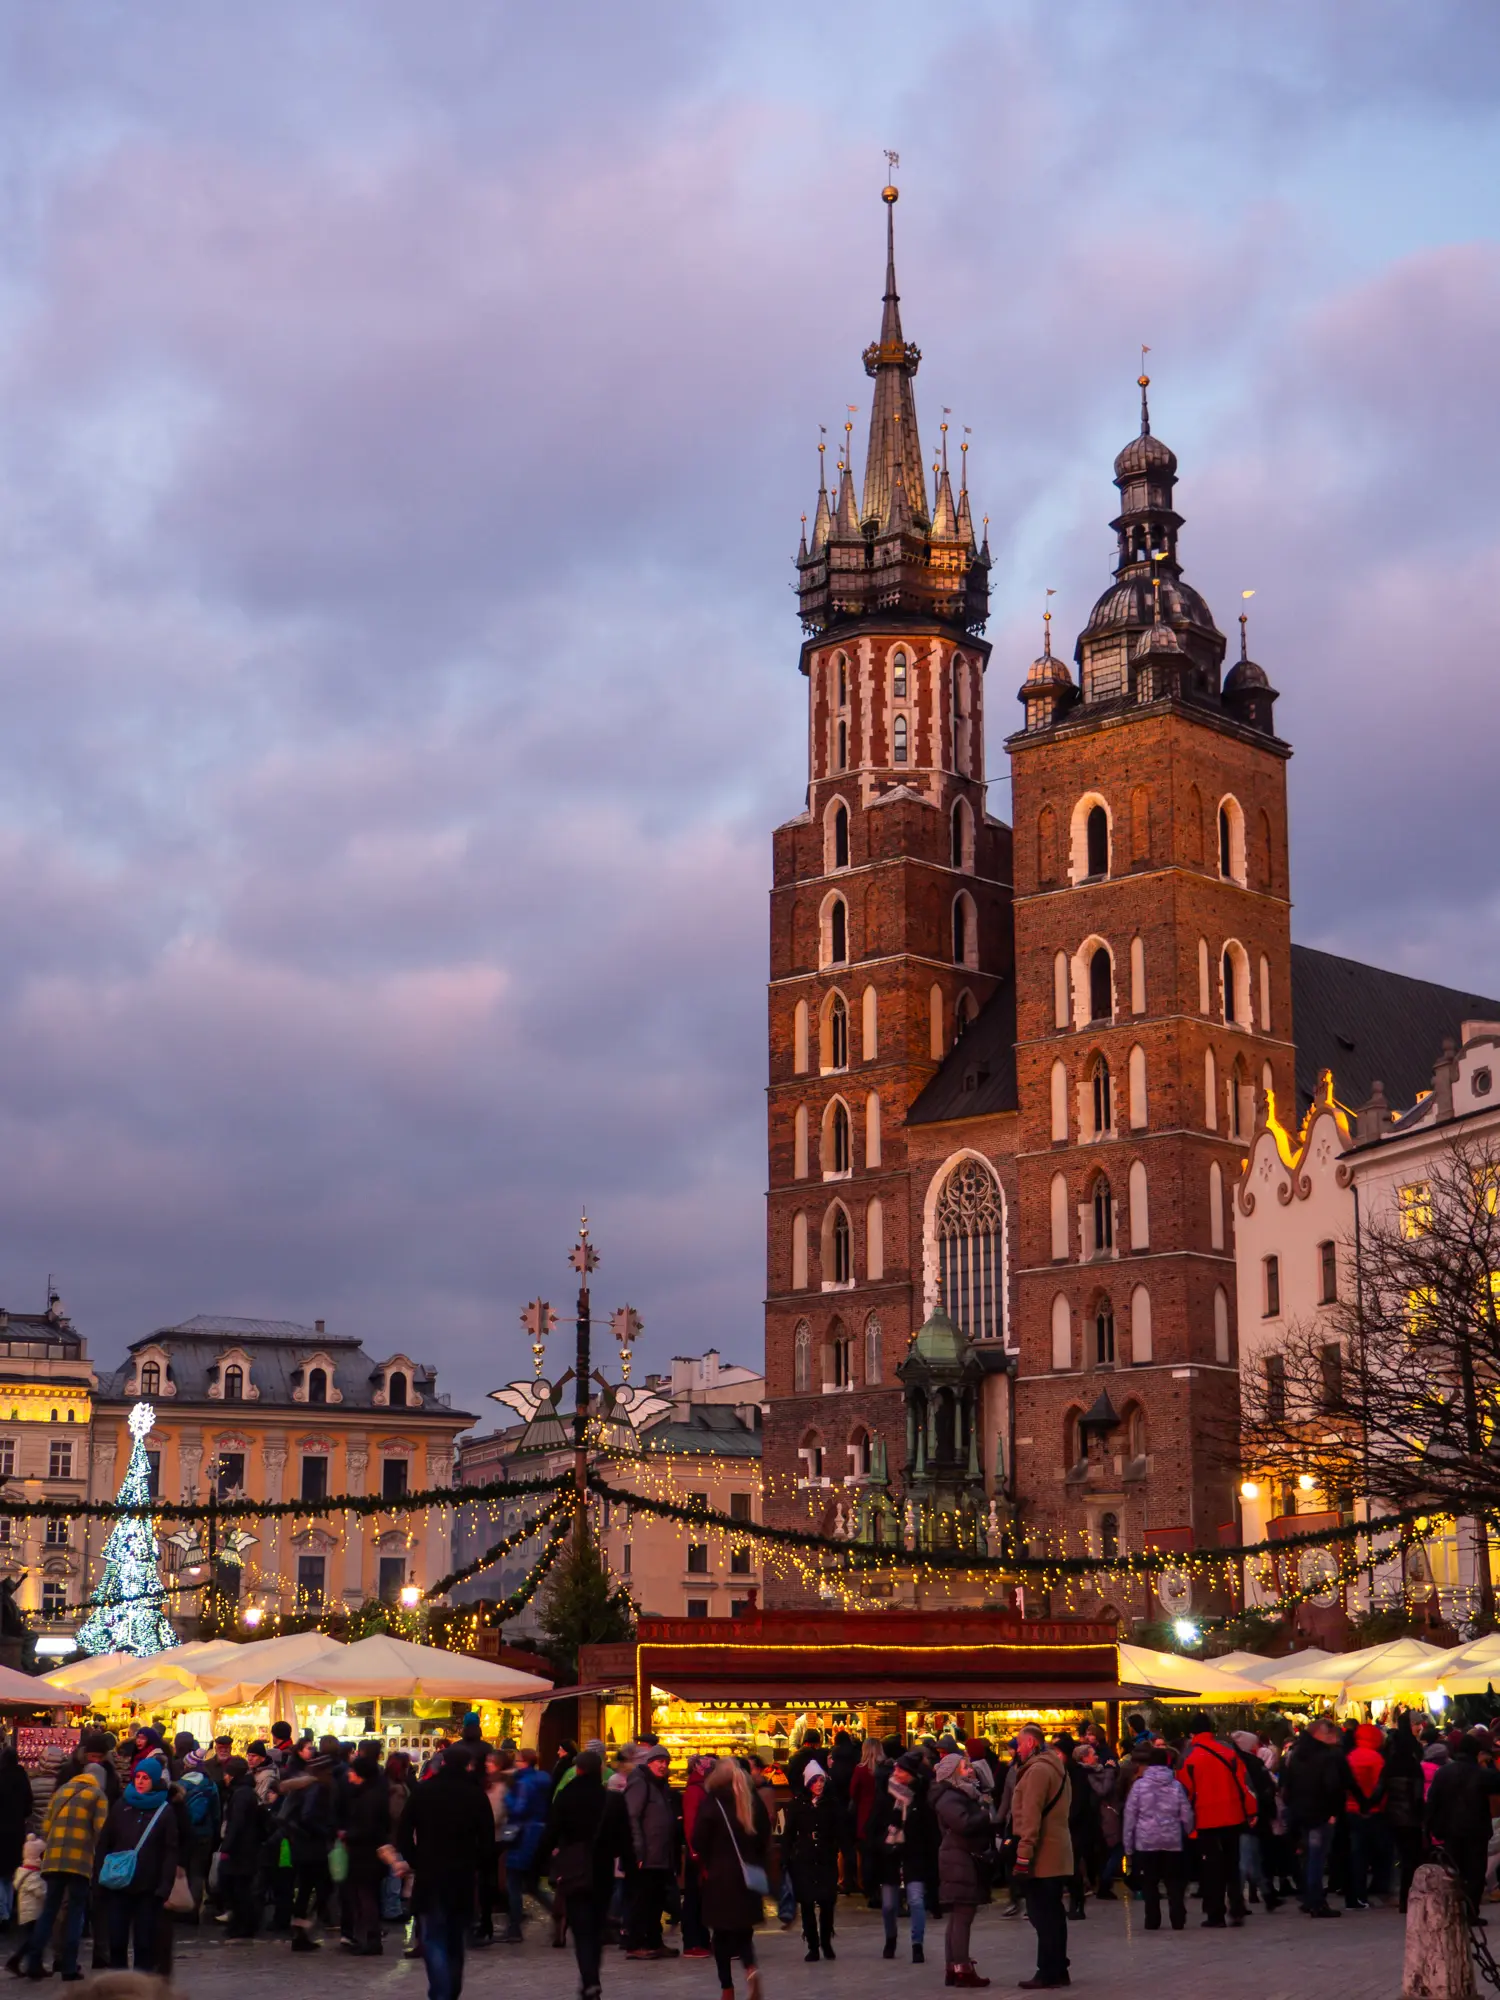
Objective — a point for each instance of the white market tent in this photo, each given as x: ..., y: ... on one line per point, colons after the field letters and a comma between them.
x: 1191, y: 1680
x: 384, y: 1667
x: 94, y: 1673
x: 31, y: 1691
x: 1397, y: 1667
x: 1470, y: 1669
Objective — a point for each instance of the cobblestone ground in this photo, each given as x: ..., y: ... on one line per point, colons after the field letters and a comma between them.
x: 1280, y: 1957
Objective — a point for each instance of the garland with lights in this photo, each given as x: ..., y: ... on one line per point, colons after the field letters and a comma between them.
x: 563, y: 1503
x: 275, y: 1510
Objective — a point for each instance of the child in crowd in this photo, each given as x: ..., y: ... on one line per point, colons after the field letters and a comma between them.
x: 31, y: 1893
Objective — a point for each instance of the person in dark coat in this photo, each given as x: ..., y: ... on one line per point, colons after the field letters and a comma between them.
x: 241, y: 1839
x: 1083, y: 1827
x: 582, y: 1844
x: 967, y: 1833
x: 810, y: 1849
x: 903, y: 1845
x: 308, y: 1820
x: 1401, y: 1792
x: 133, y: 1914
x: 15, y: 1807
x: 366, y: 1829
x: 1315, y: 1782
x: 1459, y: 1815
x: 734, y: 1836
x: 810, y: 1751
x: 447, y: 1835
x: 843, y: 1762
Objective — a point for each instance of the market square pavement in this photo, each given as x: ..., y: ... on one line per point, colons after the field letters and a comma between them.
x: 1280, y: 1957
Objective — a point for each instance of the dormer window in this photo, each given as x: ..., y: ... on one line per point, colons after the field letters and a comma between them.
x: 317, y: 1385
x: 395, y: 1384
x: 396, y: 1391
x: 151, y: 1378
x: 234, y: 1385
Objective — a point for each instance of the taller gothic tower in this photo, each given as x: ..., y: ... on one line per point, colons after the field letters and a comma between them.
x: 890, y: 928
x: 1153, y: 1004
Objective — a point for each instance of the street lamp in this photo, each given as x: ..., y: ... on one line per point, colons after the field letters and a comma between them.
x: 253, y: 1615
x: 411, y: 1596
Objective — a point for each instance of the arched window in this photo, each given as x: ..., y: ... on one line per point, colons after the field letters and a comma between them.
x: 799, y: 1251
x: 396, y: 1391
x: 841, y: 835
x: 840, y: 1357
x: 317, y: 1386
x: 841, y: 755
x: 1103, y: 1099
x: 898, y: 740
x: 1204, y: 1001
x: 898, y: 675
x: 960, y: 931
x: 872, y: 1130
x: 1221, y: 1324
x: 1137, y: 976
x: 1104, y: 1218
x: 1059, y: 1101
x: 1236, y: 975
x: 956, y: 681
x: 874, y: 1240
x: 1058, y: 1204
x: 1135, y: 1424
x: 936, y: 1046
x: 1140, y: 1338
x: 1265, y: 995
x: 841, y: 680
x: 968, y: 1223
x: 1215, y: 1205
x: 956, y: 829
x: 861, y: 1453
x: 1210, y: 1091
x: 870, y: 1008
x: 1109, y: 1536
x: 1231, y: 841
x: 234, y: 1385
x: 810, y: 1451
x: 802, y: 1359
x: 836, y: 1140
x: 963, y: 1014
x: 838, y: 1033
x: 799, y: 1038
x: 841, y: 1259
x: 1101, y: 985
x: 836, y: 931
x: 1096, y: 834
x: 150, y: 1378
x: 1062, y: 1333
x: 1140, y: 1213
x: 1104, y: 1335
x: 799, y: 1143
x: 874, y: 1367
x: 1229, y: 1014
x: 1137, y: 1088
x: 1060, y: 990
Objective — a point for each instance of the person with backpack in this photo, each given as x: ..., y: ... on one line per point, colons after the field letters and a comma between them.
x: 1403, y: 1801
x: 1258, y: 1842
x: 241, y: 1839
x: 135, y: 1865
x: 1223, y: 1808
x: 1158, y: 1826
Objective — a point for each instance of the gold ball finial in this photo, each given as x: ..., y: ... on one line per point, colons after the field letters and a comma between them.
x: 1143, y: 381
x: 890, y: 194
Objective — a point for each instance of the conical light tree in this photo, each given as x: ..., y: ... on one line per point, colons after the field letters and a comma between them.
x: 127, y: 1613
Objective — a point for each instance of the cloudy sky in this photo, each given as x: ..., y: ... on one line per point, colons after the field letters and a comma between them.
x: 405, y: 413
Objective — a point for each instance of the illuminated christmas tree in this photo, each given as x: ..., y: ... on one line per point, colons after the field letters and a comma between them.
x: 127, y: 1612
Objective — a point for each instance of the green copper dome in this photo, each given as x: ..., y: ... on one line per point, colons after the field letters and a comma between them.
x: 940, y: 1340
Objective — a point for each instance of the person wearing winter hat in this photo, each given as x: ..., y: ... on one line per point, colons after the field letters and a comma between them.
x: 654, y: 1816
x: 76, y: 1814
x: 967, y: 1832
x: 1158, y: 1826
x: 903, y: 1844
x: 140, y: 1821
x: 30, y: 1894
x: 810, y: 1844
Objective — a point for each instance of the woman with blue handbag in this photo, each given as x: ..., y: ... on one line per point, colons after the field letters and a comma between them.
x: 136, y: 1865
x: 732, y: 1834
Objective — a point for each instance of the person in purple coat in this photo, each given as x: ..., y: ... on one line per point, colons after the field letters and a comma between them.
x: 1158, y: 1822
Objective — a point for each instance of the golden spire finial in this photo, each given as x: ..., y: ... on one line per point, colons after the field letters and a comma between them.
x: 1144, y: 382
x: 890, y: 192
x: 1244, y: 621
x: 1047, y: 626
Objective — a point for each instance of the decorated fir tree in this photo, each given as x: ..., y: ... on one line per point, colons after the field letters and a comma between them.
x: 127, y: 1608
x: 582, y: 1605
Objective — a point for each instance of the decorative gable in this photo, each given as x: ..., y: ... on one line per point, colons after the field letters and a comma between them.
x: 223, y: 1372
x: 305, y: 1380
x: 150, y: 1373
x: 396, y: 1384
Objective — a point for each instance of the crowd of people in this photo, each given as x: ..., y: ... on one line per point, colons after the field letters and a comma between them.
x: 299, y: 1837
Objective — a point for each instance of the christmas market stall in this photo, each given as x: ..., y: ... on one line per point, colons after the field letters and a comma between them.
x: 760, y: 1682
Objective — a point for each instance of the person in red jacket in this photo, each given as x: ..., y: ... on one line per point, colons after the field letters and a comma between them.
x: 1369, y: 1841
x: 1223, y: 1806
x: 861, y: 1803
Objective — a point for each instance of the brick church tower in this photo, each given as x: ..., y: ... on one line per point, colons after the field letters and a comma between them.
x: 1153, y: 972
x: 890, y: 929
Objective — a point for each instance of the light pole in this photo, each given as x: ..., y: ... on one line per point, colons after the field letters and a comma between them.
x: 540, y: 1320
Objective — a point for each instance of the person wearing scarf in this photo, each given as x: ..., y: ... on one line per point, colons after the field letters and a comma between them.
x: 132, y: 1915
x: 967, y: 1832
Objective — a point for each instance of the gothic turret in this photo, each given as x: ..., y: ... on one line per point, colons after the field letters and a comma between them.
x: 1248, y: 693
x: 888, y: 555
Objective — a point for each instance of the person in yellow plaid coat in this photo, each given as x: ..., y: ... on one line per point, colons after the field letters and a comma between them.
x: 75, y: 1819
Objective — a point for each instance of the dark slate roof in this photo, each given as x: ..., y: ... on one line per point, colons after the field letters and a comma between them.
x: 276, y: 1348
x: 978, y: 1074
x: 1363, y: 1023
x: 711, y: 1429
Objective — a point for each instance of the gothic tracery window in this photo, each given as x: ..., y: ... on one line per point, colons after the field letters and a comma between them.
x: 872, y: 1351
x: 968, y: 1224
x: 802, y: 1359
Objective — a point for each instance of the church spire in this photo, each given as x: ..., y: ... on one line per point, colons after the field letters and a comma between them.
x: 895, y: 449
x: 821, y: 518
x: 944, y: 513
